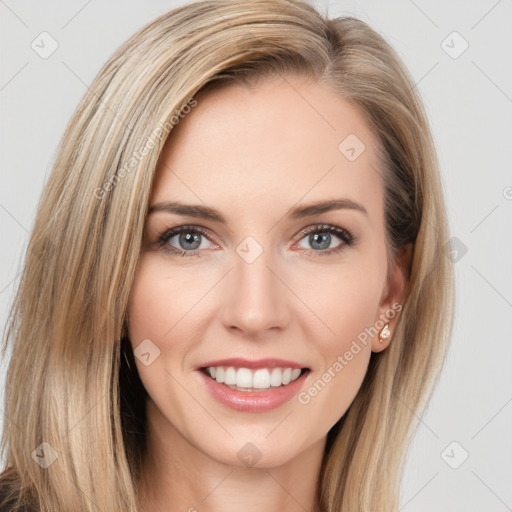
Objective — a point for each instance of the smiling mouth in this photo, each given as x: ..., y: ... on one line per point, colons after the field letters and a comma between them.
x: 246, y: 379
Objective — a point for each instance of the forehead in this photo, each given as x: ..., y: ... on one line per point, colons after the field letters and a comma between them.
x: 285, y: 141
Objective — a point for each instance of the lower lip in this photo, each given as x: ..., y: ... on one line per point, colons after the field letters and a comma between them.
x: 253, y: 401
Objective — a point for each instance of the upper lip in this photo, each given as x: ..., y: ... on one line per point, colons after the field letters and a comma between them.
x: 240, y: 362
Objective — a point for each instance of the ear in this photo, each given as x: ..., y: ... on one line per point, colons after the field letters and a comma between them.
x: 391, y: 301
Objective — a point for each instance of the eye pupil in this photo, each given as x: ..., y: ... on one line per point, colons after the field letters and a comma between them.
x: 316, y: 236
x: 186, y: 238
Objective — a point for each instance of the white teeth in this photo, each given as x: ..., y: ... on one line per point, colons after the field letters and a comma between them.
x: 230, y: 376
x: 287, y: 376
x: 276, y: 377
x: 219, y: 376
x: 247, y: 379
x: 261, y: 379
x: 243, y: 378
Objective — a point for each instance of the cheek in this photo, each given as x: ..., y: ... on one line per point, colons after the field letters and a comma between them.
x: 345, y: 355
x: 346, y: 302
x: 157, y: 311
x: 159, y: 300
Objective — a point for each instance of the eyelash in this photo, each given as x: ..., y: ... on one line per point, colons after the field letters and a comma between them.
x: 347, y: 237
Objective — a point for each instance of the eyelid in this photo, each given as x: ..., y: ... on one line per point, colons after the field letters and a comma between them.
x: 172, y: 232
x: 328, y: 228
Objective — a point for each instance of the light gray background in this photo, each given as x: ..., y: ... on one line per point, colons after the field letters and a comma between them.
x: 469, y: 103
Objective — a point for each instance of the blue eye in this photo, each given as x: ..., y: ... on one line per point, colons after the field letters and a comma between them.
x: 190, y: 240
x: 188, y: 237
x: 320, y: 238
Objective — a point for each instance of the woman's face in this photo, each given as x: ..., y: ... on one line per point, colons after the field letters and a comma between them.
x: 246, y: 280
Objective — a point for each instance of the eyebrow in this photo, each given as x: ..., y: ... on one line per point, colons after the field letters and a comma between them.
x: 293, y: 213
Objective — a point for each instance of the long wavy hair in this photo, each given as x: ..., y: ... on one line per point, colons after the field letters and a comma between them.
x: 72, y: 381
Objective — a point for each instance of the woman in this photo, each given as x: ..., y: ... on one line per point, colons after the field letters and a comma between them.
x: 278, y: 362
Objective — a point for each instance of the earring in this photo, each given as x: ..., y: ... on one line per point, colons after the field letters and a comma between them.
x: 385, y: 333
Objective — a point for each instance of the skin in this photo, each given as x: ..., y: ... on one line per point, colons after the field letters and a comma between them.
x: 253, y: 153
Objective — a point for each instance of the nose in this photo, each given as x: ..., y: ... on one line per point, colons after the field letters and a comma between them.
x: 254, y: 298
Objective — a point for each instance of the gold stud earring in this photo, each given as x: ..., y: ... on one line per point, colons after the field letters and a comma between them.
x: 385, y: 333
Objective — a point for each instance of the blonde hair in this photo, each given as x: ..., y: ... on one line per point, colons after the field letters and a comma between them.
x: 70, y: 382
